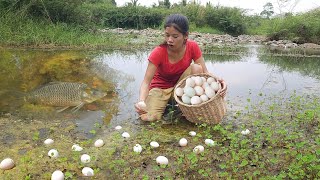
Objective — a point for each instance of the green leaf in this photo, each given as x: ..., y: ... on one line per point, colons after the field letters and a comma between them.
x: 244, y: 163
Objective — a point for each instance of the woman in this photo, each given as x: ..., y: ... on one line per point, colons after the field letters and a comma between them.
x: 168, y: 64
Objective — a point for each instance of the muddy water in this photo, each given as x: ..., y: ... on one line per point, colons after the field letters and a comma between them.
x: 251, y: 76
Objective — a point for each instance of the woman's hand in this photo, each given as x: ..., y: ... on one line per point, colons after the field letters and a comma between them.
x: 139, y: 110
x: 223, y: 90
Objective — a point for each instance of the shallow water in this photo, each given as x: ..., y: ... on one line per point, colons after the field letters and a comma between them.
x: 250, y: 76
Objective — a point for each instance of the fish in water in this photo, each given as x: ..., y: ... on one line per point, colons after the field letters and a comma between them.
x: 64, y: 94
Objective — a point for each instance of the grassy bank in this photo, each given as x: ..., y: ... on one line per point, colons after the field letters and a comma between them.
x: 56, y: 23
x: 283, y: 143
x: 26, y: 32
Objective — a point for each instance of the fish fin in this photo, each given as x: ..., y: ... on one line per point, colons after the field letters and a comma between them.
x: 60, y: 110
x: 76, y: 108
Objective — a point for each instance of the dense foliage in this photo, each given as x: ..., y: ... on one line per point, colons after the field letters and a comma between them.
x: 94, y: 14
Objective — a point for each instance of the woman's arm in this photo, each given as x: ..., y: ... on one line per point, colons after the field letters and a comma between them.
x: 144, y: 88
x: 201, y: 62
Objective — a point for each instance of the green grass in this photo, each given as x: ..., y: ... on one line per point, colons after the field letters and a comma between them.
x: 205, y: 30
x: 33, y: 33
x: 283, y: 143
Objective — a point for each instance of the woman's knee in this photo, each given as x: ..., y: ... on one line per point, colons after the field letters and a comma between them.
x: 196, y: 68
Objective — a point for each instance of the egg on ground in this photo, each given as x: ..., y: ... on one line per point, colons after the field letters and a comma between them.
x: 7, y: 164
x: 183, y: 142
x: 162, y: 160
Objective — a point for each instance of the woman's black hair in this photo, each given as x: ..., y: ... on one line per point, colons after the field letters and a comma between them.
x: 179, y: 22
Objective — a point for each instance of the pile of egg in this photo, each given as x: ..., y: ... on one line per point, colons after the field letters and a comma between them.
x: 197, y: 90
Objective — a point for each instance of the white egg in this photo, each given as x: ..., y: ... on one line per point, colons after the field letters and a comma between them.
x: 85, y: 158
x: 209, y: 92
x: 198, y: 149
x: 162, y: 160
x: 48, y: 141
x: 199, y: 90
x: 53, y: 153
x: 210, y: 80
x: 215, y: 86
x: 137, y: 148
x: 6, y: 164
x: 198, y: 81
x: 192, y: 133
x: 154, y: 144
x: 99, y: 143
x: 183, y: 142
x: 190, y: 82
x: 193, y: 77
x: 195, y: 100
x: 179, y: 91
x: 142, y: 105
x: 205, y: 84
x: 118, y: 127
x: 189, y: 91
x: 57, y: 175
x: 186, y: 99
x: 125, y: 135
x: 76, y: 147
x: 209, y: 142
x: 204, y: 98
x: 204, y: 79
x: 86, y: 171
x: 246, y: 132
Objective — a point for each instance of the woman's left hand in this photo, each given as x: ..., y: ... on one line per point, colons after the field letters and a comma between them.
x: 223, y: 90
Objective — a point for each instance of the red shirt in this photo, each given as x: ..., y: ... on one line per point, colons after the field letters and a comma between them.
x: 168, y: 74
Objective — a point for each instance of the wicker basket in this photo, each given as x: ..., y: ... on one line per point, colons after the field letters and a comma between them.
x: 209, y: 112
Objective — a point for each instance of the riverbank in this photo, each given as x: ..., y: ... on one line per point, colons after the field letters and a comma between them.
x: 131, y: 39
x: 152, y: 37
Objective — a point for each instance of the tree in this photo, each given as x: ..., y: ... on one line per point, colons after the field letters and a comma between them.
x: 133, y: 3
x: 167, y: 3
x: 114, y: 2
x: 287, y: 6
x: 267, y: 10
x: 184, y: 2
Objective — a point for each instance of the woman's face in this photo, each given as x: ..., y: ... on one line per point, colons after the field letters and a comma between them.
x: 174, y: 38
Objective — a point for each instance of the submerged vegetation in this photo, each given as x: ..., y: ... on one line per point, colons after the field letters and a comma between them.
x: 77, y: 23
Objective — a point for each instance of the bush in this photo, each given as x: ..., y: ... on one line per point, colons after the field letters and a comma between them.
x: 300, y: 28
x: 132, y: 17
x: 229, y: 20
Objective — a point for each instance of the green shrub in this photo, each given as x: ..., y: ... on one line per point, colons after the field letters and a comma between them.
x: 229, y: 20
